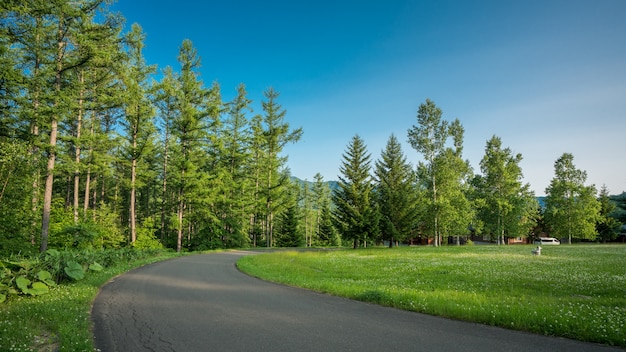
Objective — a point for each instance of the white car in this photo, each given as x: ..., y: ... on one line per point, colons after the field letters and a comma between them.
x: 547, y: 240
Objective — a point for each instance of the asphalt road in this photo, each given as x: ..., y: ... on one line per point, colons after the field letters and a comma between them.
x: 203, y: 303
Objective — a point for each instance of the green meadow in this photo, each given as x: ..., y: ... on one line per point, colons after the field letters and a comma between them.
x: 572, y: 291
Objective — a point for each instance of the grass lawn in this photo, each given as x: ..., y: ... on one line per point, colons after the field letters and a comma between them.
x: 573, y: 291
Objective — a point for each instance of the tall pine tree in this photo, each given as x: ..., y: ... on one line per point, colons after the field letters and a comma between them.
x: 197, y: 107
x: 397, y: 194
x: 356, y: 215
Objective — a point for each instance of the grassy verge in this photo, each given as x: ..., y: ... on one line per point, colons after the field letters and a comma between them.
x: 577, y: 292
x: 59, y: 320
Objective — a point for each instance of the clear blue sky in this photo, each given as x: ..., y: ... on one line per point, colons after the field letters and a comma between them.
x: 547, y: 77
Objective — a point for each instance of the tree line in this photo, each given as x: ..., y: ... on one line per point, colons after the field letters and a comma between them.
x: 99, y: 149
x: 442, y: 198
x: 97, y: 153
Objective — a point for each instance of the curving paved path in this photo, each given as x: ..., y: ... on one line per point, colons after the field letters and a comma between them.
x: 203, y: 303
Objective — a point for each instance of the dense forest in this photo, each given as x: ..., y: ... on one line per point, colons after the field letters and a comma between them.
x: 100, y: 149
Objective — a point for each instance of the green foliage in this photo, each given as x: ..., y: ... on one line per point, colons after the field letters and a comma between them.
x: 505, y: 205
x: 102, y: 233
x: 16, y: 218
x: 288, y: 234
x: 22, y: 277
x: 571, y: 207
x: 397, y: 194
x: 444, y: 173
x: 356, y: 215
x: 327, y: 234
x: 74, y: 271
x: 620, y: 207
x: 36, y: 275
x: 146, y: 238
x: 607, y: 225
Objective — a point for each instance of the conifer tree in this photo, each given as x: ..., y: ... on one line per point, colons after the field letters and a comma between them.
x: 139, y: 112
x: 166, y: 102
x: 236, y: 203
x: 288, y: 234
x: 356, y: 216
x: 197, y: 108
x: 396, y: 192
x: 275, y: 135
x: 56, y: 41
x: 255, y: 170
x: 607, y: 225
x: 324, y: 230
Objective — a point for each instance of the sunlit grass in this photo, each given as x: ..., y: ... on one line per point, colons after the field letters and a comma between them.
x: 577, y: 292
x: 59, y: 320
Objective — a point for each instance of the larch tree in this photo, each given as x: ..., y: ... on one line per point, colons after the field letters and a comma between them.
x: 138, y: 113
x: 236, y: 204
x: 572, y: 209
x: 507, y: 206
x: 355, y: 215
x: 276, y: 134
x: 56, y: 50
x: 397, y: 194
x: 255, y: 171
x: 19, y: 149
x: 166, y: 102
x: 197, y: 108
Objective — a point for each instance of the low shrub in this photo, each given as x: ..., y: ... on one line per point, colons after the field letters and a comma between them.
x: 35, y: 275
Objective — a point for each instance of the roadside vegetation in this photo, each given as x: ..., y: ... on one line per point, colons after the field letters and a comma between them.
x: 59, y: 319
x: 577, y: 292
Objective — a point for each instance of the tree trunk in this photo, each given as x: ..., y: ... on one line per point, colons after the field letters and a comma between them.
x: 88, y: 176
x: 79, y: 123
x: 179, y: 240
x: 164, y: 197
x: 133, y: 224
x: 133, y: 190
x: 181, y: 208
x: 36, y: 176
x: 47, y: 197
x: 268, y: 209
x: 436, y: 229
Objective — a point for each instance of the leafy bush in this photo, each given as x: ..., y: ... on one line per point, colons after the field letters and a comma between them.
x: 35, y: 275
x: 23, y: 278
x: 145, y: 236
x: 89, y: 233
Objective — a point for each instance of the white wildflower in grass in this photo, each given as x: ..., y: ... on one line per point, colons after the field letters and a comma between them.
x: 571, y: 291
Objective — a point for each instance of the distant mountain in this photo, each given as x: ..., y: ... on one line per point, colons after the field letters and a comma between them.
x: 331, y: 184
x: 542, y: 202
